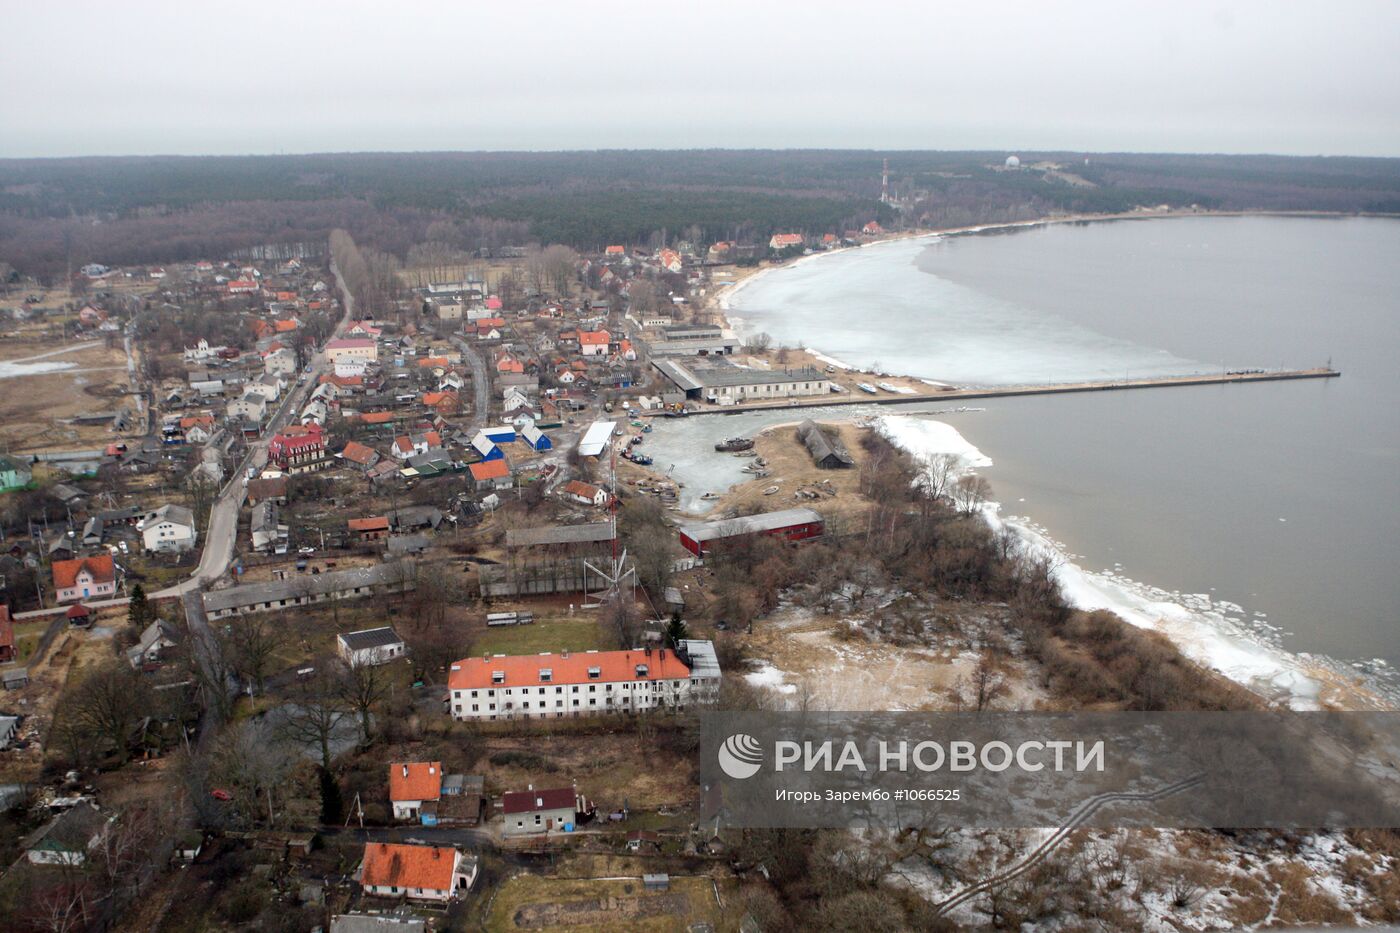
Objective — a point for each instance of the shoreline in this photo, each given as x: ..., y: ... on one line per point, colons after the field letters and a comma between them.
x: 719, y: 303
x: 1203, y: 629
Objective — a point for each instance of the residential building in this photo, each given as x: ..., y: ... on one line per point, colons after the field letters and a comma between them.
x: 420, y: 873
x: 370, y: 647
x: 169, y: 529
x: 269, y: 535
x: 373, y: 528
x: 491, y: 474
x: 593, y: 342
x: 268, y: 489
x: 534, y: 812
x: 299, y: 450
x: 359, y: 455
x: 781, y: 241
x: 160, y: 636
x: 14, y: 473
x: 585, y: 493
x: 569, y: 684
x: 84, y: 578
x: 69, y: 837
x: 413, y: 784
x: 362, y: 349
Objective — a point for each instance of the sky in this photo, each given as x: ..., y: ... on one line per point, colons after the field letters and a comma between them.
x: 143, y: 77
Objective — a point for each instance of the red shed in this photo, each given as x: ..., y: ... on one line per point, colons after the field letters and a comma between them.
x: 792, y: 524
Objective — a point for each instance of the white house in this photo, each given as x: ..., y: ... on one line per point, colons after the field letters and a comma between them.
x: 281, y: 361
x: 585, y: 493
x: 535, y: 812
x: 250, y: 406
x: 159, y: 636
x: 69, y: 837
x: 370, y: 646
x: 412, y: 784
x: 421, y: 873
x: 168, y: 528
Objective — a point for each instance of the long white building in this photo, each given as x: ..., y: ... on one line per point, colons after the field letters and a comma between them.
x: 587, y: 683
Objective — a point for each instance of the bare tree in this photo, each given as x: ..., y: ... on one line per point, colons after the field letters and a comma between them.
x: 970, y: 492
x: 363, y: 689
x: 759, y: 343
x: 107, y: 705
x: 559, y: 263
x: 315, y: 714
x: 255, y: 640
x: 938, y: 473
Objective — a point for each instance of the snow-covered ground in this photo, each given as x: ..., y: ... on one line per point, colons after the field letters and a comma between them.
x: 1198, y: 626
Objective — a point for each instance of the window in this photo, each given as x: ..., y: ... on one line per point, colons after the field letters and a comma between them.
x: 474, y: 708
x: 594, y: 673
x: 546, y: 674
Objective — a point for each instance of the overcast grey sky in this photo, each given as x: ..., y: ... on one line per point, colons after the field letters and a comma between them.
x: 82, y: 78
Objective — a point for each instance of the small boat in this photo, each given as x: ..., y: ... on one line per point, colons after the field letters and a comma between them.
x: 866, y: 387
x: 641, y: 460
x: 770, y: 490
x: 735, y: 444
x: 710, y: 496
x: 887, y: 387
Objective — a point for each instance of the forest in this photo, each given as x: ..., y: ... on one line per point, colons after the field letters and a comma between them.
x: 56, y: 214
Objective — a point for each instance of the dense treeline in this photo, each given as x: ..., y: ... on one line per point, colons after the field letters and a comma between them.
x: 56, y: 214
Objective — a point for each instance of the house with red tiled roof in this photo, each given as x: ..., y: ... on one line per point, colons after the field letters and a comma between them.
x: 406, y: 445
x: 584, y: 493
x: 411, y: 785
x: 359, y: 455
x: 444, y: 403
x: 494, y: 303
x: 419, y: 873
x: 491, y: 474
x: 872, y: 229
x: 506, y: 363
x: 615, y: 252
x: 785, y: 240
x: 593, y: 342
x: 375, y: 528
x: 670, y: 260
x: 84, y: 578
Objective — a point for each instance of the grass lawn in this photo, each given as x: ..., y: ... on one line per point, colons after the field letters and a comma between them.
x: 532, y: 902
x: 577, y: 634
x: 27, y: 635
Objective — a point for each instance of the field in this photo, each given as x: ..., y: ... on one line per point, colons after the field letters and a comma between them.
x: 579, y: 633
x: 610, y: 768
x: 528, y: 902
x: 35, y: 407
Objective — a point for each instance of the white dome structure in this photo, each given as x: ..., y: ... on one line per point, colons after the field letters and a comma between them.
x: 1013, y: 162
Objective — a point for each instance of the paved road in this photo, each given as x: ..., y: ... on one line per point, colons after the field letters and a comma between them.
x: 481, y: 384
x: 220, y: 537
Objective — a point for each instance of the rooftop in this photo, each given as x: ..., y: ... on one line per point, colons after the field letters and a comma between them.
x: 591, y: 533
x: 535, y: 670
x: 369, y: 638
x: 749, y: 524
x: 528, y: 801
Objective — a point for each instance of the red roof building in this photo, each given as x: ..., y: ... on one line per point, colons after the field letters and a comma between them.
x: 8, y: 651
x: 84, y: 578
x: 428, y: 873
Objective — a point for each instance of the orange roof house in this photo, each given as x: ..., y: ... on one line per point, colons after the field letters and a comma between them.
x: 288, y: 326
x: 355, y: 452
x: 593, y: 338
x: 490, y: 471
x: 784, y: 240
x: 421, y: 872
x: 615, y: 251
x: 83, y: 577
x: 415, y: 781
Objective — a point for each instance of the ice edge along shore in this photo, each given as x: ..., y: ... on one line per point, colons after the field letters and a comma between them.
x: 1205, y: 633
